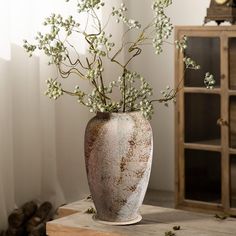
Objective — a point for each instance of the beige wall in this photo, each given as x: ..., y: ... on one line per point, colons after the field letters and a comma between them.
x: 160, y: 72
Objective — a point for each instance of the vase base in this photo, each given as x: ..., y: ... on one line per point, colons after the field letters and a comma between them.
x: 130, y: 222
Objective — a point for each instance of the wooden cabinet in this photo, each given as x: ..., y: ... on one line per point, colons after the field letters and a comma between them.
x: 206, y: 121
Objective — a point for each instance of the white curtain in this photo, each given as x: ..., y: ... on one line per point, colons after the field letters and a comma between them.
x: 41, y: 141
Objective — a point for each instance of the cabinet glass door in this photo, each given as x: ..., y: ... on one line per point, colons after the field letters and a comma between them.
x: 233, y: 181
x: 232, y: 63
x: 201, y: 114
x: 203, y: 176
x: 210, y: 62
x: 232, y: 121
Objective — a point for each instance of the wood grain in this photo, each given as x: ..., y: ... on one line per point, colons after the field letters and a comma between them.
x: 156, y: 221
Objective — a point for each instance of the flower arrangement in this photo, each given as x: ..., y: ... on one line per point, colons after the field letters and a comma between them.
x: 135, y: 91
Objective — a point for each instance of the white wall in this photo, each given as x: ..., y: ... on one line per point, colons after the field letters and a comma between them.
x: 160, y: 72
x: 72, y: 119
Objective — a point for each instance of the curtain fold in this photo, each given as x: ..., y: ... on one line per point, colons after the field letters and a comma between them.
x: 6, y: 145
x: 28, y: 160
x: 41, y: 141
x: 28, y: 155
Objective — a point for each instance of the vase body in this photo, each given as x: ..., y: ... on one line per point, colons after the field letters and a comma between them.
x: 118, y: 157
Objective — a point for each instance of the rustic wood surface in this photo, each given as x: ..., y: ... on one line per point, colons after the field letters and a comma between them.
x: 225, y: 181
x: 156, y: 221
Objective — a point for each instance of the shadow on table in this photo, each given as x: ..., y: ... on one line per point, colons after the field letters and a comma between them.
x: 171, y: 217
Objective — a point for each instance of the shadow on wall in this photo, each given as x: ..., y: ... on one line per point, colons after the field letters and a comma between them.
x: 41, y: 141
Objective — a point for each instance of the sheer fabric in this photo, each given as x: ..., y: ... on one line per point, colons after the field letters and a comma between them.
x: 41, y: 141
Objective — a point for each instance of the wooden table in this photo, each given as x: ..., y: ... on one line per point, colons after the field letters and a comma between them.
x: 156, y: 221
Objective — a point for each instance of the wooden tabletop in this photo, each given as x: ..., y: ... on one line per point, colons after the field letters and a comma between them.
x: 156, y: 221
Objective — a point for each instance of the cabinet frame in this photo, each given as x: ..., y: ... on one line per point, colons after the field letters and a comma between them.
x: 223, y: 33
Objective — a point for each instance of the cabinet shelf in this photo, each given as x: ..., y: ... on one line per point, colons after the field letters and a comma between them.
x: 216, y: 90
x: 210, y: 145
x: 232, y: 150
x: 208, y: 198
x: 209, y: 142
x: 232, y: 92
x: 206, y: 121
x: 203, y: 205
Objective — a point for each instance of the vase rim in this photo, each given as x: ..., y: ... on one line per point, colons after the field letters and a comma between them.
x: 107, y: 114
x: 119, y: 112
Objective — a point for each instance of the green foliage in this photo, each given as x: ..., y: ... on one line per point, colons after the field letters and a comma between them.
x: 120, y: 16
x: 162, y: 24
x: 176, y: 227
x: 170, y: 233
x: 209, y: 81
x: 181, y: 44
x: 135, y: 91
x: 191, y: 64
x: 90, y: 210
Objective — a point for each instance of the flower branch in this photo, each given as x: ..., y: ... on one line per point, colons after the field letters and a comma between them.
x: 135, y: 91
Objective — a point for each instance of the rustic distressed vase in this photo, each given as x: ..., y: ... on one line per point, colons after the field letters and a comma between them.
x: 118, y: 156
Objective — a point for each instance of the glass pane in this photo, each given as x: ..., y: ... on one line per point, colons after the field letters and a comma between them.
x: 203, y: 176
x: 232, y: 63
x: 206, y: 52
x: 233, y: 181
x: 232, y: 121
x: 201, y: 114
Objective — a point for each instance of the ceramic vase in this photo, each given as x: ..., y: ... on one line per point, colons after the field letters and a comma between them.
x: 118, y: 156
